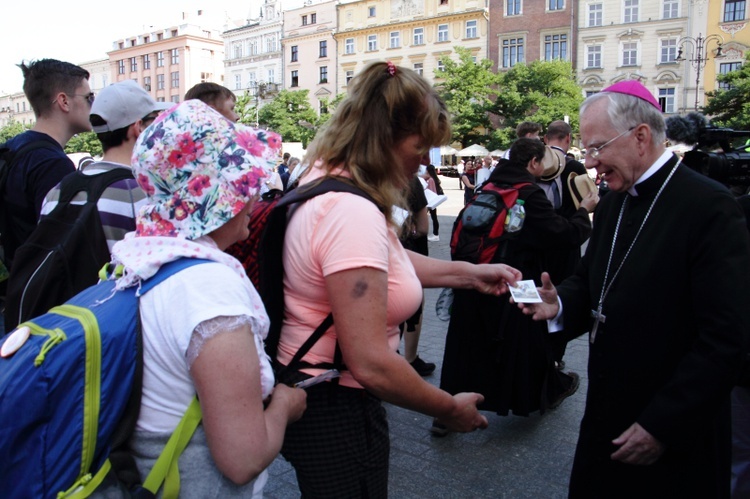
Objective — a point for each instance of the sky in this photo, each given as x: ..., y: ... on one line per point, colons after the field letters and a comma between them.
x: 84, y: 31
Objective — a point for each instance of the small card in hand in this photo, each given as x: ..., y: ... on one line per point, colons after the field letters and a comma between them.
x: 525, y: 292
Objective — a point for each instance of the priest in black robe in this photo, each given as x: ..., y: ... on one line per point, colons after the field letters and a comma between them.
x: 663, y: 292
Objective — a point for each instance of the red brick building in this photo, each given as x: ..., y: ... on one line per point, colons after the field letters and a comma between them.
x: 530, y: 30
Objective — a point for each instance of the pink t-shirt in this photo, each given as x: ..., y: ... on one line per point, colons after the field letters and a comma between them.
x: 328, y: 234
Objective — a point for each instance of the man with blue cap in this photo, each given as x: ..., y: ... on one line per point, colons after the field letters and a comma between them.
x: 662, y: 291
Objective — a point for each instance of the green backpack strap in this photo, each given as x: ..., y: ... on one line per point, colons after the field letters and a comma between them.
x: 165, y: 470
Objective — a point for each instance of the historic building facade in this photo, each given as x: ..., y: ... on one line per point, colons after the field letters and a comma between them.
x: 169, y: 61
x: 412, y: 33
x: 310, y: 56
x: 532, y: 30
x: 636, y: 39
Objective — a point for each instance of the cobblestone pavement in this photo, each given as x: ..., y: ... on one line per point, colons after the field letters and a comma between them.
x: 516, y: 457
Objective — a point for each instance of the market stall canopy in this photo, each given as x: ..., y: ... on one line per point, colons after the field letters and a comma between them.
x: 473, y: 150
x: 447, y: 150
x: 497, y: 152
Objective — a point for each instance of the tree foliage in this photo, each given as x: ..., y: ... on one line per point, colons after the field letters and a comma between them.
x: 244, y: 106
x: 541, y: 91
x: 465, y: 86
x: 84, y: 142
x: 12, y: 129
x: 284, y: 114
x: 731, y: 108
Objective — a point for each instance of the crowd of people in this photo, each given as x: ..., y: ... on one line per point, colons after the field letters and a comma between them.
x: 666, y: 349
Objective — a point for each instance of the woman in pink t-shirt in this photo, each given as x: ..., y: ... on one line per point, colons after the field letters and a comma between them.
x: 342, y: 256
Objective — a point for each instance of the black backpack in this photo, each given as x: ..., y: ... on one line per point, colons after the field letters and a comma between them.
x: 270, y: 268
x: 65, y: 252
x: 7, y: 161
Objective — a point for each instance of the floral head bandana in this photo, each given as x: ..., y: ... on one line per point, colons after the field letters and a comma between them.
x: 198, y: 170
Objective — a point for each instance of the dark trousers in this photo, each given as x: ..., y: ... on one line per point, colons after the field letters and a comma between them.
x: 340, y: 447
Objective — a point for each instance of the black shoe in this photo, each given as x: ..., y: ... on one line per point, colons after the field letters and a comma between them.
x: 423, y: 368
x: 438, y: 429
x: 574, y: 382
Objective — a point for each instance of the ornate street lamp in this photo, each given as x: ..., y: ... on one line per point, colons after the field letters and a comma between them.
x: 262, y: 90
x: 699, y: 55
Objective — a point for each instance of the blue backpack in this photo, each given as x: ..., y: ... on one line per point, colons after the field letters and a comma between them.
x: 64, y: 394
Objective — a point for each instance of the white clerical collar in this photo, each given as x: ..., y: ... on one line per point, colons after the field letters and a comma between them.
x: 661, y: 161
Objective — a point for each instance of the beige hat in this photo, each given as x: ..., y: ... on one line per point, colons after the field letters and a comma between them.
x: 553, y: 162
x: 580, y: 186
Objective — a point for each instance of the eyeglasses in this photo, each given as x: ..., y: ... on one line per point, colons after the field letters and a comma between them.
x: 594, y: 152
x: 89, y: 97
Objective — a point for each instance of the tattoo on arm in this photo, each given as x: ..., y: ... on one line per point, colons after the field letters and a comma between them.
x: 360, y: 287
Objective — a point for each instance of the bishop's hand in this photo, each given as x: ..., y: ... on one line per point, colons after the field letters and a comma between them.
x: 549, y: 307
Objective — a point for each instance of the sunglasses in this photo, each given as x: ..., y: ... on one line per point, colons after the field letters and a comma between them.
x: 89, y: 97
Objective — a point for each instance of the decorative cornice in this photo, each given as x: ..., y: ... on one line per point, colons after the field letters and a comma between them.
x: 732, y: 28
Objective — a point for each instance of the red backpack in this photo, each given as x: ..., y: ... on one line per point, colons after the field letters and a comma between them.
x: 480, y: 226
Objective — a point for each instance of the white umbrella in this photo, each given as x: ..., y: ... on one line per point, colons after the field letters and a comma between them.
x: 497, y: 152
x: 473, y: 150
x: 447, y: 151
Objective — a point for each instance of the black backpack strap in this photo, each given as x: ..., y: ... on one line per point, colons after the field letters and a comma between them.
x: 93, y: 185
x: 271, y: 264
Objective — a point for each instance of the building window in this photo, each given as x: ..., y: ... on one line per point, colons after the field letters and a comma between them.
x: 175, y: 55
x: 251, y: 79
x: 175, y: 99
x: 254, y: 47
x: 471, y: 29
x: 349, y: 76
x: 121, y: 67
x: 271, y: 44
x: 147, y: 83
x: 631, y: 11
x: 323, y: 74
x: 395, y: 39
x: 372, y: 43
x: 442, y: 33
x: 304, y: 20
x: 666, y: 100
x: 349, y: 46
x: 556, y: 5
x: 512, y: 7
x: 175, y: 80
x: 728, y: 67
x: 671, y: 9
x: 238, y: 82
x: 419, y: 68
x: 295, y: 53
x: 313, y: 18
x: 418, y: 36
x: 323, y: 48
x: 440, y: 65
x: 630, y: 54
x: 371, y: 12
x: 295, y: 79
x: 555, y: 47
x: 734, y: 10
x: 271, y: 76
x: 668, y: 51
x: 593, y: 56
x: 159, y: 82
x: 147, y: 61
x: 237, y: 51
x: 160, y: 99
x: 512, y: 52
x: 443, y: 2
x: 206, y: 77
x: 595, y: 14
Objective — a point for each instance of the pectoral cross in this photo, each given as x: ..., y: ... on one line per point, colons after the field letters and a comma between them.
x: 598, y: 317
